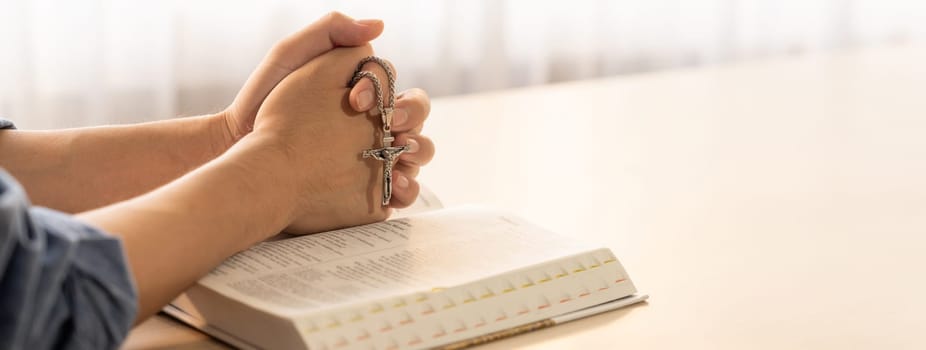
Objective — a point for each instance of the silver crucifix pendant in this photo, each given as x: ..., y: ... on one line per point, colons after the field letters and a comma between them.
x: 387, y: 154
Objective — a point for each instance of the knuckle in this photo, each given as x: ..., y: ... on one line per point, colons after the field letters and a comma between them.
x: 334, y: 16
x: 420, y: 93
x: 421, y: 97
x: 417, y: 98
x: 279, y: 50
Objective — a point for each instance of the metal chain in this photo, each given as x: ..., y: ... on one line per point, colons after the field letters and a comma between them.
x: 387, y: 153
x: 385, y: 111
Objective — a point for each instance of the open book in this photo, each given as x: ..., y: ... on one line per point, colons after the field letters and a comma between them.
x: 445, y: 278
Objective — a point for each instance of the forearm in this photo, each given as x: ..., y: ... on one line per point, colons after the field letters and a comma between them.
x: 75, y: 170
x: 178, y: 233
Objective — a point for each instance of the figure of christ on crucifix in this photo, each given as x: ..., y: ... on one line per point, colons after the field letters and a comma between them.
x: 387, y: 154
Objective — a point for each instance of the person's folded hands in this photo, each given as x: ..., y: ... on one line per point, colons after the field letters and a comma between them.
x: 332, y: 31
x: 312, y: 117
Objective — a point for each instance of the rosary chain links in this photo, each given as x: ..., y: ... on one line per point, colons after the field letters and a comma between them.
x: 385, y: 111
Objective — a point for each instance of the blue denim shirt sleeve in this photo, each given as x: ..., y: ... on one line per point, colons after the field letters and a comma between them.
x: 63, y: 283
x: 6, y: 124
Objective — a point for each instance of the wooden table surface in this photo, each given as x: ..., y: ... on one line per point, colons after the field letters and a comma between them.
x: 766, y: 205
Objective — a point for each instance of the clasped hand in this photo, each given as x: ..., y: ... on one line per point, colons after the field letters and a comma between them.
x: 298, y: 104
x: 184, y: 194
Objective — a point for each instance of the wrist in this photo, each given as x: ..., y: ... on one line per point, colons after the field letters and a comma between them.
x: 221, y: 136
x: 266, y: 167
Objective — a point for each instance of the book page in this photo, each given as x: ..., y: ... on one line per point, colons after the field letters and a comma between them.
x: 438, y: 249
x: 426, y: 201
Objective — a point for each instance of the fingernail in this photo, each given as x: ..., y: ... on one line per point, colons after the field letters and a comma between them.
x: 401, y: 181
x: 368, y: 22
x: 412, y: 146
x: 399, y: 117
x: 365, y: 99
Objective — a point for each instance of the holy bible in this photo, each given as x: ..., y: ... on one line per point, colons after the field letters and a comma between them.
x: 448, y: 278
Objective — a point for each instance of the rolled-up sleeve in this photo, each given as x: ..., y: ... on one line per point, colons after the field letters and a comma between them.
x: 63, y: 283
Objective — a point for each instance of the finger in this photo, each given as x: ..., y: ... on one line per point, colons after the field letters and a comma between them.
x: 420, y: 149
x: 363, y: 94
x: 412, y: 108
x: 404, y: 191
x: 409, y: 170
x: 333, y: 30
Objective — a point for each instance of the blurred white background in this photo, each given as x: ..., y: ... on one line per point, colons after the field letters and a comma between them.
x: 89, y: 62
